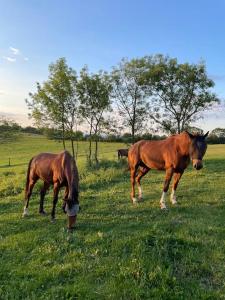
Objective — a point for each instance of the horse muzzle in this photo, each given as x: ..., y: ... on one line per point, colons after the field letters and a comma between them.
x: 197, y: 164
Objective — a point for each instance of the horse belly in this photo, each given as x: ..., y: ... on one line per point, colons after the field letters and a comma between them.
x: 45, y: 175
x: 154, y: 162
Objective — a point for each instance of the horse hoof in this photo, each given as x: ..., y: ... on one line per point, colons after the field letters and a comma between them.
x: 25, y: 213
x: 71, y: 229
x: 135, y: 200
x: 163, y: 207
x: 43, y: 213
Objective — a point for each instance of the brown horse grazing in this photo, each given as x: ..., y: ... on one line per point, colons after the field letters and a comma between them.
x: 122, y: 152
x: 58, y: 170
x: 172, y: 155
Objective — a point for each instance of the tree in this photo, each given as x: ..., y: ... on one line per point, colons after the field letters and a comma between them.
x: 195, y: 130
x: 94, y: 91
x: 129, y: 95
x: 9, y: 130
x: 55, y: 103
x: 219, y: 132
x: 179, y: 93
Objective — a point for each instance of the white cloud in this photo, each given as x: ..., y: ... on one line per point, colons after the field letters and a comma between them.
x: 15, y: 55
x: 10, y: 59
x: 15, y: 51
x: 2, y: 92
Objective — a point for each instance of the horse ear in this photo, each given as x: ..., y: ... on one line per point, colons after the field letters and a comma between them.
x: 190, y: 135
x: 206, y: 134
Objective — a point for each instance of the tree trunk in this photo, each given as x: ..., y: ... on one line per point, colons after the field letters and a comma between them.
x: 178, y: 127
x: 77, y: 149
x: 132, y: 133
x: 96, y: 150
x: 63, y: 139
x: 72, y: 145
x: 89, y: 157
x: 63, y: 131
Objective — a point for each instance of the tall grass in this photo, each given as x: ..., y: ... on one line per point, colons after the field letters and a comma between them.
x: 118, y: 251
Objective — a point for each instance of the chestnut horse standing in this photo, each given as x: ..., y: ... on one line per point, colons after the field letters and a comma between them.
x: 172, y: 155
x: 59, y: 170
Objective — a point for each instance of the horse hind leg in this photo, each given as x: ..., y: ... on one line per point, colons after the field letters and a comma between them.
x: 169, y: 174
x: 55, y: 199
x: 133, y: 171
x: 42, y: 196
x: 28, y: 194
x: 142, y: 172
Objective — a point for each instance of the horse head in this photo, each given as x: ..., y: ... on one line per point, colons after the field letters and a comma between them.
x: 197, y: 149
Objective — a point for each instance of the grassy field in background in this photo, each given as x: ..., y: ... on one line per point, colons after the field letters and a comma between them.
x: 118, y: 251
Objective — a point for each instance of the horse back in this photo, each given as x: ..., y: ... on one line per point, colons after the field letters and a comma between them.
x: 54, y: 167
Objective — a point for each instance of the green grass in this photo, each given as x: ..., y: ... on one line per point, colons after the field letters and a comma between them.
x: 117, y: 251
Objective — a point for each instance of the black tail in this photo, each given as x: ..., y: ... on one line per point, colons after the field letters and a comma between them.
x: 28, y: 175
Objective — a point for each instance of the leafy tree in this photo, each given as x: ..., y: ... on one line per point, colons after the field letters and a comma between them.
x: 194, y: 129
x: 55, y: 103
x: 9, y: 130
x: 219, y: 132
x: 129, y: 94
x: 179, y: 92
x: 94, y: 91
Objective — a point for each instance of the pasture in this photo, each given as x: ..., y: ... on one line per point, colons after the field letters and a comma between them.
x: 118, y: 251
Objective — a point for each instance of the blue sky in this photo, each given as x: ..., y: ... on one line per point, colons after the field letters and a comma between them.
x: 99, y: 33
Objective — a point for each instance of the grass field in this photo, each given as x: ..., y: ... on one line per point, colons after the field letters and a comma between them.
x: 117, y: 251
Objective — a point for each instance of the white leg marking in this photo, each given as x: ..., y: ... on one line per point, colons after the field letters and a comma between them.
x: 173, y: 197
x: 134, y: 200
x: 162, y: 201
x: 139, y: 192
x: 25, y: 212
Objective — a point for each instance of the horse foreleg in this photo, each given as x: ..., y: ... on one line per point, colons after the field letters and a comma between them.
x: 176, y: 179
x: 169, y: 174
x: 55, y: 198
x: 42, y: 196
x: 28, y: 194
x: 142, y: 172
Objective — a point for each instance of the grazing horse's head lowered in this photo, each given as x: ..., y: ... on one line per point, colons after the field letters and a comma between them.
x: 197, y: 149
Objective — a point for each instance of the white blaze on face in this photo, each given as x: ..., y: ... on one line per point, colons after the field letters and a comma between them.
x: 173, y: 198
x: 162, y: 201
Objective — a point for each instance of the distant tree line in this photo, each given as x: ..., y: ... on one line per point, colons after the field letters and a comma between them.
x: 10, y: 130
x: 138, y: 94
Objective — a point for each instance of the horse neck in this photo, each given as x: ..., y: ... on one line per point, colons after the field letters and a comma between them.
x: 72, y: 184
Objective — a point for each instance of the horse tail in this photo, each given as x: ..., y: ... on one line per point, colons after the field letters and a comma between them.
x: 28, y: 176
